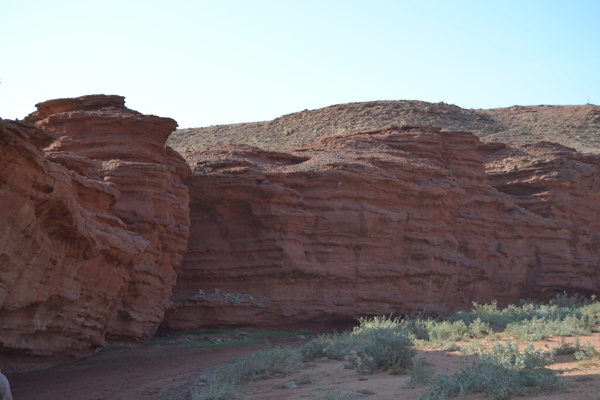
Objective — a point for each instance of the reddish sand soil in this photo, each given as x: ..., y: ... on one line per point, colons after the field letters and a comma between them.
x: 582, y: 378
x: 126, y: 373
x: 167, y: 371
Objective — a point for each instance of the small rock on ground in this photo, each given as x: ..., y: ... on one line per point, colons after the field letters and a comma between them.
x: 290, y: 385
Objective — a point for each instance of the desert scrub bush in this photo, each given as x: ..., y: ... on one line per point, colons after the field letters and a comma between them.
x: 228, y: 381
x: 558, y: 309
x: 448, y: 331
x: 458, y: 330
x: 216, y: 389
x: 379, y: 322
x: 572, y: 325
x: 570, y: 301
x: 587, y: 352
x: 503, y: 371
x: 337, y: 393
x: 263, y: 364
x: 479, y: 329
x: 336, y: 347
x: 382, y: 344
x: 472, y: 348
x: 542, y: 328
x: 528, y: 330
x: 449, y: 346
x: 488, y: 313
x: 566, y: 348
x: 421, y: 373
x: 417, y: 326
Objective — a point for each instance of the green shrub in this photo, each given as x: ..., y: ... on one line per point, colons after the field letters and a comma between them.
x: 558, y: 309
x: 337, y: 393
x: 488, y: 313
x: 542, y: 328
x: 529, y: 330
x: 379, y: 322
x: 587, y: 352
x: 511, y: 358
x: 449, y: 346
x: 570, y: 301
x: 417, y: 326
x: 421, y: 373
x: 263, y: 364
x: 216, y: 389
x: 448, y: 331
x: 335, y: 347
x: 381, y: 344
x: 260, y: 365
x: 566, y: 348
x: 472, y: 348
x: 572, y: 325
x: 503, y: 372
x: 479, y: 329
x: 593, y: 310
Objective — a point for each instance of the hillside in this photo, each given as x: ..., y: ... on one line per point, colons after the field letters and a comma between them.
x: 573, y: 126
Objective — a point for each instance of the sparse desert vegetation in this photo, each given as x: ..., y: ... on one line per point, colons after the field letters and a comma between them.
x: 574, y: 126
x: 501, y: 354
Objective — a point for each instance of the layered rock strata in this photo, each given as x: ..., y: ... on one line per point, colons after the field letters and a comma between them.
x: 93, y: 228
x: 561, y: 185
x: 385, y: 222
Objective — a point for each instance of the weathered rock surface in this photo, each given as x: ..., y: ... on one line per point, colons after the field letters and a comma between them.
x: 91, y: 231
x: 563, y: 186
x: 95, y: 218
x: 390, y: 221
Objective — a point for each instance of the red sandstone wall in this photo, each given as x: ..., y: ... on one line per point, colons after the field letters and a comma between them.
x: 94, y: 221
x: 383, y: 222
x: 92, y: 230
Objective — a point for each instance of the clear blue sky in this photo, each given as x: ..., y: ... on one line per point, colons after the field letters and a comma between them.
x: 218, y: 62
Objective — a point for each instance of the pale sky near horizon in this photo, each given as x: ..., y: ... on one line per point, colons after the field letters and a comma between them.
x: 219, y: 62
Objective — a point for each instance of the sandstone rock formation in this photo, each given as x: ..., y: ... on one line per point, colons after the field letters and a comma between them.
x: 92, y: 230
x: 563, y: 186
x: 95, y: 218
x: 392, y: 221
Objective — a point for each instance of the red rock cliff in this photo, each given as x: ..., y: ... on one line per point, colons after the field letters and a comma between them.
x: 561, y: 185
x: 93, y: 229
x: 381, y: 222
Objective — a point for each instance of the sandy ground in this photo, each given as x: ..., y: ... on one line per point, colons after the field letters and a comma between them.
x: 127, y: 373
x: 168, y: 370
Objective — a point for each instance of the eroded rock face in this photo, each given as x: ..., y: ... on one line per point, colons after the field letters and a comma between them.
x: 92, y: 230
x: 152, y: 202
x: 561, y: 185
x: 391, y: 221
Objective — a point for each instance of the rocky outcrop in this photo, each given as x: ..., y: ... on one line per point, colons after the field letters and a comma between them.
x: 152, y: 202
x: 393, y: 221
x: 563, y: 186
x: 93, y: 228
x: 95, y: 218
